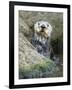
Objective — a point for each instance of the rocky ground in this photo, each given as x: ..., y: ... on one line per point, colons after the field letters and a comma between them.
x: 31, y: 63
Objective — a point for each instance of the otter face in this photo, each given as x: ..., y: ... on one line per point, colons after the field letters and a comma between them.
x: 43, y: 29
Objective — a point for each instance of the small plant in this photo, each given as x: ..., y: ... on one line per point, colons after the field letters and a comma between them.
x: 45, y: 68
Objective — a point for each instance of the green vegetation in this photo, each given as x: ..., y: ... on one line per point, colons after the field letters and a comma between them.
x: 34, y: 67
x: 45, y: 68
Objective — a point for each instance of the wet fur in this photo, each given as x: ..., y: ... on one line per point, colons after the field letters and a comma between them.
x: 41, y: 40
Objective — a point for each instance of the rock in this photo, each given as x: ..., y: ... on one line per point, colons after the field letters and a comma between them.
x: 28, y: 18
x: 23, y: 27
x: 32, y: 64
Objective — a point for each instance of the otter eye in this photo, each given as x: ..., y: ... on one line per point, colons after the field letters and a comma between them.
x: 47, y: 25
x: 38, y: 23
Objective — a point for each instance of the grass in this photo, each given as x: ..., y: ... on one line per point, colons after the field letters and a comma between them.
x: 41, y: 69
x: 44, y: 68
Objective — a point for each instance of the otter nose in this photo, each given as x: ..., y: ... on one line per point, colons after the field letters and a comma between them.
x: 43, y: 26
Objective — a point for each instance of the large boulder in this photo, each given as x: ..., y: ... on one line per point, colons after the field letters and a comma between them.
x: 32, y: 64
x: 28, y: 18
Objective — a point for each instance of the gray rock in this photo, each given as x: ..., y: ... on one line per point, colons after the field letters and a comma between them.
x: 31, y: 63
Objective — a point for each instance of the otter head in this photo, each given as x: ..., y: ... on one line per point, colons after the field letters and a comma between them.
x: 43, y: 29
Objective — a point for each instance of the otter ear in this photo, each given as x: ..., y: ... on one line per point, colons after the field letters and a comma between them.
x: 38, y: 23
x: 47, y: 25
